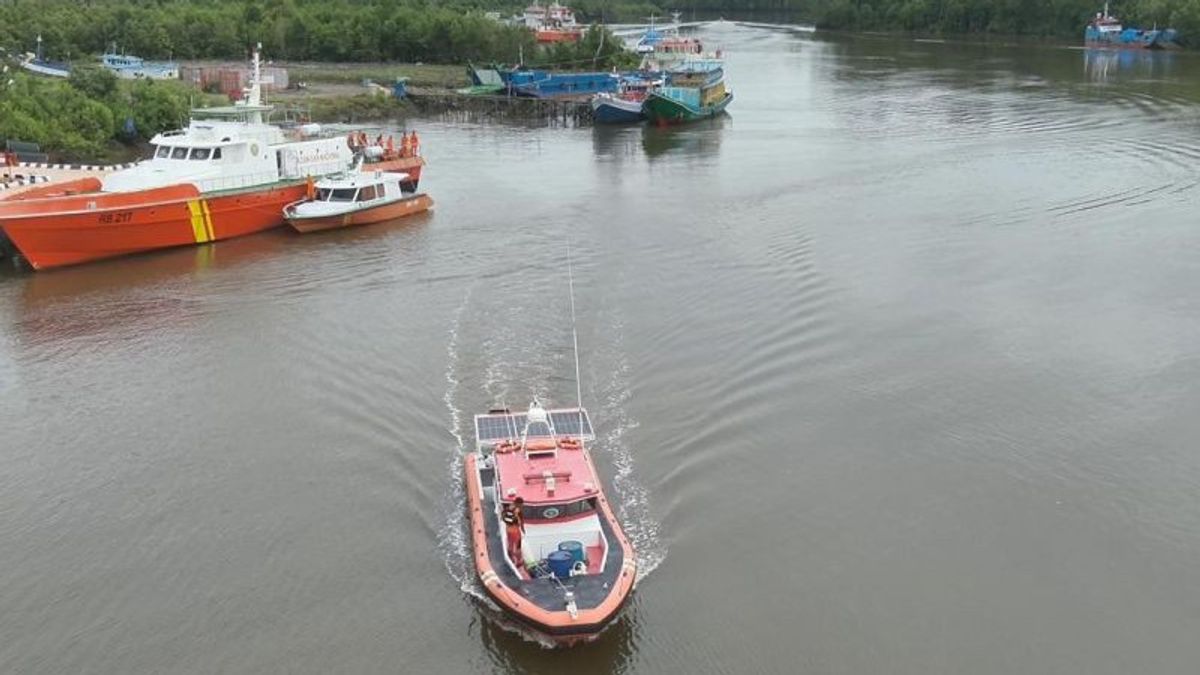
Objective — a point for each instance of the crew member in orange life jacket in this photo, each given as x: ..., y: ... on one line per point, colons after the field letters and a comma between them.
x: 514, y: 525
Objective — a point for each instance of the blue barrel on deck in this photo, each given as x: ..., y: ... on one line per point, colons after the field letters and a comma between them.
x: 575, y: 548
x: 560, y: 564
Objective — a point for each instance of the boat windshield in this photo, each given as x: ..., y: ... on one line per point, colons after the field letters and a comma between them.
x: 179, y: 153
x: 551, y: 511
x: 335, y: 195
x: 201, y: 153
x: 163, y: 151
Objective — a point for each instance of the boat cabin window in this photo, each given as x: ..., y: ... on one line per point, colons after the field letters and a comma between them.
x: 179, y: 153
x: 163, y: 151
x: 552, y: 511
x: 366, y: 194
x: 201, y: 153
x: 341, y: 195
x: 216, y: 153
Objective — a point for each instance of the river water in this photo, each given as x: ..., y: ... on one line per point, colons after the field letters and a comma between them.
x: 894, y: 370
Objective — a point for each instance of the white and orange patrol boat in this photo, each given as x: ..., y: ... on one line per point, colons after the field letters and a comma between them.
x: 229, y: 173
x: 577, y: 567
x: 355, y: 198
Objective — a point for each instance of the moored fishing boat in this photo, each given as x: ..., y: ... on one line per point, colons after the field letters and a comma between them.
x: 624, y: 106
x: 129, y: 67
x: 576, y: 568
x: 38, y: 64
x: 1104, y: 30
x: 695, y: 90
x: 537, y: 83
x: 355, y: 198
x: 229, y: 173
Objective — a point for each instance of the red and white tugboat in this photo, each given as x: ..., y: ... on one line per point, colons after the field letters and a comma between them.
x: 575, y: 568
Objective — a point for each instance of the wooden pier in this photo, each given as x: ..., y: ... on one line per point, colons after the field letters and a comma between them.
x: 571, y: 112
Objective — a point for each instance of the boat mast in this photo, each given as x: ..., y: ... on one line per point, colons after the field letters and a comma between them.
x: 575, y: 340
x: 254, y: 91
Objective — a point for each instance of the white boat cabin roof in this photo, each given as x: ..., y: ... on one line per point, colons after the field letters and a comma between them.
x: 360, y: 179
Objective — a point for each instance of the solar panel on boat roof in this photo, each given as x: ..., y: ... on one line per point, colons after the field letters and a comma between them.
x: 571, y: 423
x: 497, y: 427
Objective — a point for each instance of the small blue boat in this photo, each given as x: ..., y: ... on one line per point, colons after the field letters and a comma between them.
x: 612, y: 109
x: 136, y: 68
x: 625, y: 105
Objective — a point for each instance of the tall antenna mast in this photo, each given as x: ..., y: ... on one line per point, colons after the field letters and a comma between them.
x: 575, y: 340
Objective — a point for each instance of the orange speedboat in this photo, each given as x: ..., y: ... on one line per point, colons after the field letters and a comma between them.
x: 571, y: 569
x: 229, y: 173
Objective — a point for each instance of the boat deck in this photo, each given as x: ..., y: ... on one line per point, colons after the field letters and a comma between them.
x: 590, y: 589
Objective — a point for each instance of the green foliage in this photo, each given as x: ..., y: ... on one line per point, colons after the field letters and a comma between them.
x: 311, y: 30
x: 94, y: 81
x: 80, y: 117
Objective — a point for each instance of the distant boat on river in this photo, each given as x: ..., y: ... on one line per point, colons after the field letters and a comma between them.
x: 1104, y: 30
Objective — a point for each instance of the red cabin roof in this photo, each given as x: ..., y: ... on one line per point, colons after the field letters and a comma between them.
x: 546, y: 476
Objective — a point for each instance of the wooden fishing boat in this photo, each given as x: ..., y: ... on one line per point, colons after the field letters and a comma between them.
x: 625, y: 106
x: 576, y: 568
x: 354, y: 198
x: 694, y: 91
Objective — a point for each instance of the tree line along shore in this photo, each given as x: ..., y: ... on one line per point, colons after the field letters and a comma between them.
x: 93, y: 116
x: 457, y: 31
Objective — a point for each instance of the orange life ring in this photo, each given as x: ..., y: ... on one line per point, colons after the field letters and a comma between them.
x: 570, y: 444
x: 504, y: 447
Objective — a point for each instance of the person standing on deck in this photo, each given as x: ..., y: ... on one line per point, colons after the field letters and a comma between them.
x: 514, y: 526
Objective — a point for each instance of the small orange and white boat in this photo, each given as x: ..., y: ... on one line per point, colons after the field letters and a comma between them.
x: 354, y: 198
x: 578, y: 567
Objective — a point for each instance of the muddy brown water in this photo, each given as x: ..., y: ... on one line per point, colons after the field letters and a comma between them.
x: 894, y: 371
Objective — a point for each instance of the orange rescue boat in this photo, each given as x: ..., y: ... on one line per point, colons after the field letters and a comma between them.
x: 572, y: 569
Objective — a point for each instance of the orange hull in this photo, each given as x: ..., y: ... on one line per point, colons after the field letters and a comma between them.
x: 551, y: 36
x: 379, y: 214
x: 559, y: 626
x: 53, y: 227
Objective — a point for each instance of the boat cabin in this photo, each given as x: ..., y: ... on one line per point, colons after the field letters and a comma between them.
x: 365, y: 188
x: 544, y: 464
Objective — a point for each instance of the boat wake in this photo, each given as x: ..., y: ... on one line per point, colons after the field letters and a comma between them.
x: 454, y: 533
x: 613, y: 424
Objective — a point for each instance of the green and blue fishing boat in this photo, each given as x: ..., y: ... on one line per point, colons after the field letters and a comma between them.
x: 695, y: 90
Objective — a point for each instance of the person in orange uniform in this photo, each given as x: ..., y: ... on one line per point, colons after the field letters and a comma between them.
x: 514, y: 526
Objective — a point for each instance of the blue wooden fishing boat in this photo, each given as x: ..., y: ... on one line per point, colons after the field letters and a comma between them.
x: 1104, y: 30
x: 536, y: 83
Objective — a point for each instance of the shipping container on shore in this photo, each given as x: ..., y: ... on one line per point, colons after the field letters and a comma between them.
x: 232, y: 78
